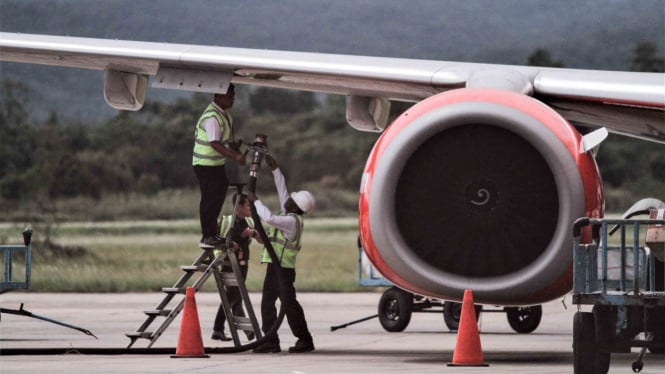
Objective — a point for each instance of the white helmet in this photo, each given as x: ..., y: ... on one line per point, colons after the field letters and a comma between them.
x: 304, y: 200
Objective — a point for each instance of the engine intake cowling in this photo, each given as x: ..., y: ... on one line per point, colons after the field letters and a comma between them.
x: 477, y: 189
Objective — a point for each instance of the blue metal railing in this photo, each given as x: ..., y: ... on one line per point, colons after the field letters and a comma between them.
x: 12, y: 254
x: 592, y: 261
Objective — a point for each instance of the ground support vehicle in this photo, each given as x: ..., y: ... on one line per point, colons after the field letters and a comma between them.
x: 623, y: 281
x: 396, y: 305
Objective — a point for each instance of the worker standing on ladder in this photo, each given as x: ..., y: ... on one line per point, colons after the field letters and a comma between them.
x: 213, y: 145
x: 241, y: 229
x: 285, y: 235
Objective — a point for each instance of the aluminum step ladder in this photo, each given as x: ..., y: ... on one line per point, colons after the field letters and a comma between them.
x: 208, y: 265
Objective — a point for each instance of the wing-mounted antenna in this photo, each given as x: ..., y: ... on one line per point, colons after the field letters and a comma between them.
x: 125, y: 91
x: 365, y: 113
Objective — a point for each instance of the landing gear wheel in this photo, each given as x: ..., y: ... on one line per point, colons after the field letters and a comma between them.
x: 524, y: 319
x: 452, y: 312
x: 395, y: 309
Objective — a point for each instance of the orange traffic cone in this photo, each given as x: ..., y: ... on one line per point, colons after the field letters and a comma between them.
x: 467, y: 348
x: 190, y: 342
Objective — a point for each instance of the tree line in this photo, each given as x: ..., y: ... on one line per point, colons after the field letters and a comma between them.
x: 152, y: 149
x: 149, y: 150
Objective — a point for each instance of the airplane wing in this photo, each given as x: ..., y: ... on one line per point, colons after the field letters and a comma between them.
x: 476, y: 186
x: 625, y: 102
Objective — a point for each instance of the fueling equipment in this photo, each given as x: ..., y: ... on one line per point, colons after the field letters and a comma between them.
x: 259, y: 149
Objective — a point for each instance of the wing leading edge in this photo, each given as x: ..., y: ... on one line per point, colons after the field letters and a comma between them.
x: 628, y: 103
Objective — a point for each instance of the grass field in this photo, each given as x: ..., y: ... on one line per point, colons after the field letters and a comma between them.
x: 145, y: 256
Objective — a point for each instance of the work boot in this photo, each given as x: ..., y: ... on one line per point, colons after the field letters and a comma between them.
x: 220, y: 335
x: 267, y: 347
x: 302, y: 346
x: 210, y: 242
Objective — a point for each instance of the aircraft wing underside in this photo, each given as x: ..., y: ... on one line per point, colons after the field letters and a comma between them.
x: 629, y: 103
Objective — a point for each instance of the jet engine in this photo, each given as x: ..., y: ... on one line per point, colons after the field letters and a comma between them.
x: 478, y: 189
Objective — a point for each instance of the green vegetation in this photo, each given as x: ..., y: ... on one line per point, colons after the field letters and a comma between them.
x: 149, y: 152
x: 146, y: 256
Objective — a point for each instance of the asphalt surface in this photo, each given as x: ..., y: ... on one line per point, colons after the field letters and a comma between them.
x: 425, y: 346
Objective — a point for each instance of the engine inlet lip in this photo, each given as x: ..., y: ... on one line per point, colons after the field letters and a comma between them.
x: 388, y: 168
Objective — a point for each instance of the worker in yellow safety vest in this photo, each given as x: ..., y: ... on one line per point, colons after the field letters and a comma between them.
x: 214, y: 144
x: 285, y: 235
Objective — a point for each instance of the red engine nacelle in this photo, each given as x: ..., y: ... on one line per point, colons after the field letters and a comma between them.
x: 478, y: 189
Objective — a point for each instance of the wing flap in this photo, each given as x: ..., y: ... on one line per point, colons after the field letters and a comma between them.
x: 616, y: 87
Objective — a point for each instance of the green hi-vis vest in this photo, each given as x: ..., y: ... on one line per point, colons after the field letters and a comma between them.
x: 225, y: 223
x: 204, y: 154
x: 286, y: 250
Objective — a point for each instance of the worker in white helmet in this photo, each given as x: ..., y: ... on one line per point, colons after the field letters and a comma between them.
x: 285, y: 234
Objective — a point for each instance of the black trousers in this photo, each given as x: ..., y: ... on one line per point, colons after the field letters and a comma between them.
x: 235, y: 301
x: 213, y: 184
x: 294, y: 312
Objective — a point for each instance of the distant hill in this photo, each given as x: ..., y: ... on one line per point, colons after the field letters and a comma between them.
x: 596, y: 34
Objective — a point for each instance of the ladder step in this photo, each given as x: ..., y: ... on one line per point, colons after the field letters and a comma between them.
x: 189, y: 268
x: 223, y: 279
x: 243, y: 323
x: 173, y: 290
x: 230, y: 279
x: 163, y: 312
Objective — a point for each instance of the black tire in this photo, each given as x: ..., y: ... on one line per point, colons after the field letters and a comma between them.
x: 659, y: 329
x: 602, y: 362
x: 452, y: 312
x: 586, y: 358
x: 658, y: 322
x: 395, y: 309
x: 660, y: 339
x: 524, y: 319
x: 604, y: 325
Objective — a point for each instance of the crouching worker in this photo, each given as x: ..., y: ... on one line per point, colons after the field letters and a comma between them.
x: 241, y: 229
x: 285, y: 234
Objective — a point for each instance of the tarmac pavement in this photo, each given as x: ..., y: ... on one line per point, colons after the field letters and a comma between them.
x: 426, y: 346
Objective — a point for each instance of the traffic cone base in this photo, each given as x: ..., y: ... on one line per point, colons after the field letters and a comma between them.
x: 190, y: 342
x: 468, y: 351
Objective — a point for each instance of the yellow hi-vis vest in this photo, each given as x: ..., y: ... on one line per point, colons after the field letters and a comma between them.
x: 286, y: 250
x: 204, y: 154
x: 225, y: 223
